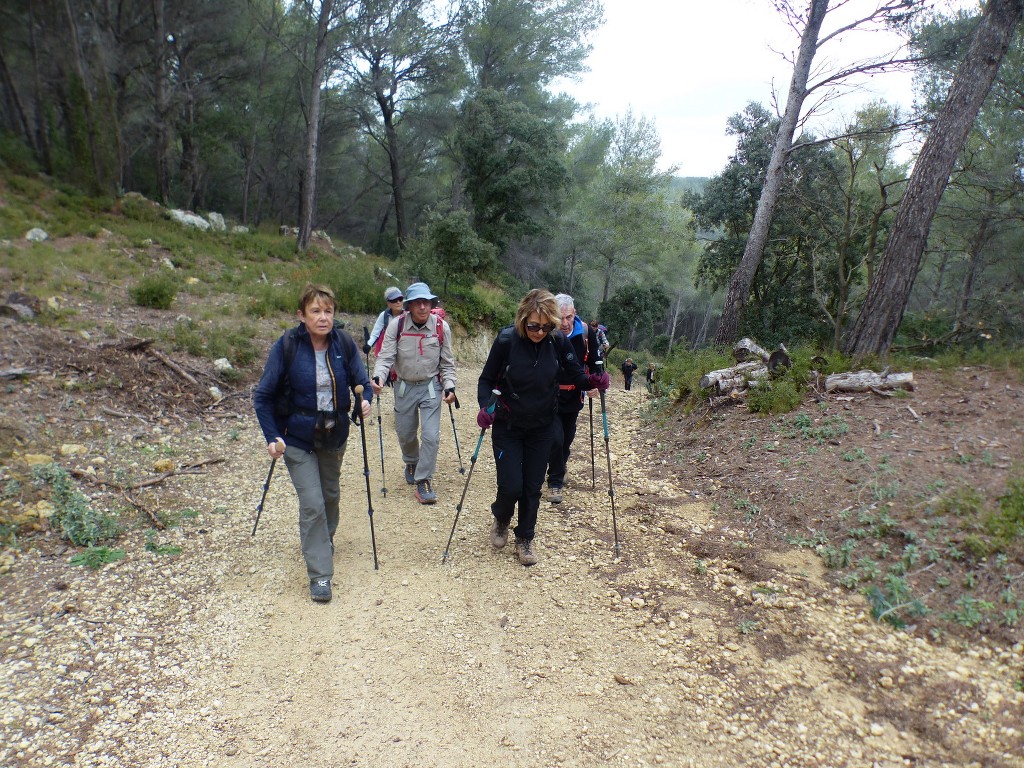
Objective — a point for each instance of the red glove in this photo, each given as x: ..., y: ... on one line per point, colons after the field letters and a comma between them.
x: 484, y: 419
x: 599, y: 381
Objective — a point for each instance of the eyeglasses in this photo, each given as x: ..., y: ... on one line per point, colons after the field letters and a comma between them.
x: 397, y: 298
x: 534, y: 327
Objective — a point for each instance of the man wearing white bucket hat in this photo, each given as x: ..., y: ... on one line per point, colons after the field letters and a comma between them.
x: 418, y: 346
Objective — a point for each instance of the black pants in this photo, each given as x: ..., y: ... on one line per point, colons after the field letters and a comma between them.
x: 564, y: 434
x: 520, y: 456
x: 629, y: 380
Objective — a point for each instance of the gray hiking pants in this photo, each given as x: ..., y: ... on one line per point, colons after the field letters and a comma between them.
x: 418, y: 409
x: 315, y: 477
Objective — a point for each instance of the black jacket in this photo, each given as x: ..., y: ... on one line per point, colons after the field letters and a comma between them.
x: 588, y: 352
x: 527, y: 374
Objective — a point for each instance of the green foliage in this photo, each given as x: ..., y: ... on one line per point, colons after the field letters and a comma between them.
x: 76, y: 519
x: 156, y: 291
x: 154, y: 546
x: 16, y: 156
x: 96, y: 557
x: 450, y: 249
x: 682, y: 371
x: 235, y: 341
x: 773, y: 397
x: 633, y: 310
x: 352, y: 281
x: 1007, y: 524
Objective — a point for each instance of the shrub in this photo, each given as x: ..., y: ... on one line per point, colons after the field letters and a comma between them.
x: 155, y: 291
x: 78, y: 522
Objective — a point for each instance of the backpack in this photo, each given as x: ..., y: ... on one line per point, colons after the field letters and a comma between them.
x: 438, y: 312
x: 283, y: 405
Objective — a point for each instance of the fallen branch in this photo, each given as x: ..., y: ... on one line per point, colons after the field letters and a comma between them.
x: 157, y: 522
x: 173, y: 366
x: 17, y: 373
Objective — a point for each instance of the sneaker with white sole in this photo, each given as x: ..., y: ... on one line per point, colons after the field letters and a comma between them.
x: 424, y: 493
x: 320, y: 590
x: 555, y: 494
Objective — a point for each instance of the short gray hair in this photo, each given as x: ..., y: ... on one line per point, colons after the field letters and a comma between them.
x: 564, y: 300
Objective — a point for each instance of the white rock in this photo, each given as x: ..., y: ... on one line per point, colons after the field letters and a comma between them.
x: 36, y: 235
x: 189, y: 219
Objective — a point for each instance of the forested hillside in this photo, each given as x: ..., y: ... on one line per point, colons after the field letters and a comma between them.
x: 435, y: 136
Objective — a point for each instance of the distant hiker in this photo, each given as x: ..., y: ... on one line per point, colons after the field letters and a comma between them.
x: 418, y: 346
x: 628, y: 368
x: 394, y: 298
x: 524, y: 364
x: 302, y: 404
x: 602, y: 336
x: 583, y: 340
x: 650, y: 378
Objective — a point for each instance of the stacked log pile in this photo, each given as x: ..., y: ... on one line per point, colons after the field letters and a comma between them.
x: 755, y: 365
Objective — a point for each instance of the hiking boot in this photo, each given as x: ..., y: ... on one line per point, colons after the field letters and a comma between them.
x: 424, y: 493
x: 410, y: 474
x: 524, y: 551
x: 499, y: 534
x: 555, y: 494
x: 320, y: 590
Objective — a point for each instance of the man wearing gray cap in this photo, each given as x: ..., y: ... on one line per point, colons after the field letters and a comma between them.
x: 418, y: 345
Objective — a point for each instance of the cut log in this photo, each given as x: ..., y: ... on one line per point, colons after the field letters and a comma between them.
x: 865, y: 381
x: 725, y: 386
x: 748, y: 349
x: 712, y: 378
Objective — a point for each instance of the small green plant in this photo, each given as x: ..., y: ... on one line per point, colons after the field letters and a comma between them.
x: 155, y: 291
x: 779, y: 396
x: 152, y: 545
x: 749, y: 626
x: 97, y: 557
x: 700, y: 567
x: 73, y: 516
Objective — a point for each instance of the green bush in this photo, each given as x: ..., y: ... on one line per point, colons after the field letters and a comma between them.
x: 77, y: 521
x: 155, y: 291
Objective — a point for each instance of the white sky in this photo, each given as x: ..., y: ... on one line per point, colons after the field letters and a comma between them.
x: 690, y: 64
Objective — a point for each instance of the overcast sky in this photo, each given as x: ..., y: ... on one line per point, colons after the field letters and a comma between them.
x: 690, y: 64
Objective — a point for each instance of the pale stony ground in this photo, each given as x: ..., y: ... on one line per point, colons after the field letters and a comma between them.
x: 217, y: 657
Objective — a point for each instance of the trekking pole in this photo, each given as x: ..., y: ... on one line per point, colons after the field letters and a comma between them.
x: 458, y: 451
x: 380, y: 437
x: 472, y: 463
x: 266, y: 487
x: 366, y: 466
x: 608, y: 453
x: 593, y: 467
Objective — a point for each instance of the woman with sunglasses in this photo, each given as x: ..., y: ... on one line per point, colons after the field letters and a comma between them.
x: 524, y: 365
x: 395, y: 306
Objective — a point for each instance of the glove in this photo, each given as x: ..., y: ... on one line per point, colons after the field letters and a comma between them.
x: 599, y: 381
x: 366, y: 349
x: 484, y: 419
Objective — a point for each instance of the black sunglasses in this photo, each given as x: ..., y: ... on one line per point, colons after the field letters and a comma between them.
x: 397, y: 298
x: 534, y: 327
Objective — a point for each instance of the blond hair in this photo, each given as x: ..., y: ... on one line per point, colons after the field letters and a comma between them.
x: 542, y: 302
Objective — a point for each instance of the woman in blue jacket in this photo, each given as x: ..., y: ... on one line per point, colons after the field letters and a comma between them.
x: 302, y: 404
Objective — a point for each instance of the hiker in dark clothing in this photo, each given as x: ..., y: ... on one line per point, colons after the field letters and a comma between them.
x: 302, y: 404
x: 524, y: 364
x: 570, y: 397
x: 650, y: 378
x: 628, y: 369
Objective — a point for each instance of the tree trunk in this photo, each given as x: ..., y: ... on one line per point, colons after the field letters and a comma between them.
x: 19, y: 123
x: 743, y: 278
x: 887, y: 298
x: 982, y: 235
x: 160, y: 107
x: 307, y: 210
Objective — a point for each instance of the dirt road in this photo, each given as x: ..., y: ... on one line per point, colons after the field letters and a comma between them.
x: 217, y: 657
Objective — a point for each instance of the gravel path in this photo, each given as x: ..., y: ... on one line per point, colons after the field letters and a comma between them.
x: 217, y: 657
